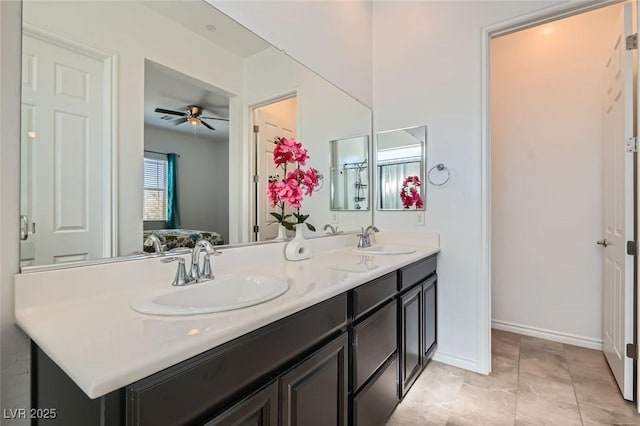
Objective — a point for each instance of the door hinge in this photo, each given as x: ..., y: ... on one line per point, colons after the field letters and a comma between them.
x: 256, y: 228
x: 632, y: 248
x: 632, y: 351
x: 632, y: 144
x: 256, y: 129
x: 256, y: 179
x: 631, y: 42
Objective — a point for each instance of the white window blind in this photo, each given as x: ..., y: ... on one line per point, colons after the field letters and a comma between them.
x: 155, y: 189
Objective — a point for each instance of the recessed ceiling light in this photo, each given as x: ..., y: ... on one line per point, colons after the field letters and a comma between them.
x: 31, y: 134
x: 211, y: 27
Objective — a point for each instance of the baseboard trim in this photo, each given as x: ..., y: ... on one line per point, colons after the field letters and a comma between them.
x: 456, y: 361
x: 556, y: 336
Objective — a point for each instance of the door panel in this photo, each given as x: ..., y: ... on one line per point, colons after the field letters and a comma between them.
x: 619, y: 207
x: 270, y: 127
x: 65, y: 147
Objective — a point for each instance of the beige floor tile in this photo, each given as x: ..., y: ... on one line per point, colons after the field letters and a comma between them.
x: 538, y: 410
x: 546, y: 388
x: 505, y: 344
x: 504, y: 375
x: 592, y: 415
x: 541, y: 343
x: 534, y: 382
x: 484, y: 406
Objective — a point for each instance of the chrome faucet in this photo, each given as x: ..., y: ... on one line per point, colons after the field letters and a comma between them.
x: 154, y: 240
x: 194, y: 275
x: 181, y: 278
x: 209, y: 249
x: 364, y: 237
x: 333, y: 229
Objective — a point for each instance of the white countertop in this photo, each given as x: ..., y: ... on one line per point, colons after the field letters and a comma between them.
x: 82, y: 319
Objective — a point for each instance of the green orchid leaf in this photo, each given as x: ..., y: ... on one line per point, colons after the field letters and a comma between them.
x: 310, y: 226
x: 288, y: 225
x: 277, y: 216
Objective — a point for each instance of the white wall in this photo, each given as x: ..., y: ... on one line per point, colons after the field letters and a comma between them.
x: 547, y: 93
x: 203, y: 177
x: 114, y: 27
x: 427, y: 69
x: 324, y: 114
x: 14, y: 346
x: 332, y: 38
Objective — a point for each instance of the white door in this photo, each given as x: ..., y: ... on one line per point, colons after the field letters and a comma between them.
x: 619, y: 207
x: 64, y: 148
x: 270, y: 127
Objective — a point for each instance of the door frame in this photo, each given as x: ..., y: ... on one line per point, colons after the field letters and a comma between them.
x: 539, y: 17
x: 253, y: 150
x: 110, y: 128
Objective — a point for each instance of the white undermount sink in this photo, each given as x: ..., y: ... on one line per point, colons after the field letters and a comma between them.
x: 220, y: 294
x: 385, y: 249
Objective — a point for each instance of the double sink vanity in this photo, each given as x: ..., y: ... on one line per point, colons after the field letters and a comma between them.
x: 342, y: 345
x: 336, y: 339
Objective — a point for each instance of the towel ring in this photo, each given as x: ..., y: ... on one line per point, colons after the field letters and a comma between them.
x: 440, y: 167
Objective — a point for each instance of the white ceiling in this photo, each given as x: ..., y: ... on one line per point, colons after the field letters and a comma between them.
x: 197, y: 15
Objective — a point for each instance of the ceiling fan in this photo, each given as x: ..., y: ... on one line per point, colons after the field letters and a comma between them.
x: 191, y: 115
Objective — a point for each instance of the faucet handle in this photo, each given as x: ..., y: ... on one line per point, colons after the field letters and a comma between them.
x: 181, y: 277
x: 207, y: 272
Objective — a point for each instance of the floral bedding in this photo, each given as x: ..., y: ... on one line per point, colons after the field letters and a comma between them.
x: 180, y: 238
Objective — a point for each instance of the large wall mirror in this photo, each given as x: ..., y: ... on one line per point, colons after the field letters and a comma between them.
x: 138, y: 118
x: 350, y: 174
x: 400, y: 163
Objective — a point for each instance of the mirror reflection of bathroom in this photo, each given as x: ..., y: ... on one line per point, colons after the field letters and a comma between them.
x: 350, y: 174
x: 273, y: 120
x: 400, y: 160
x: 186, y: 159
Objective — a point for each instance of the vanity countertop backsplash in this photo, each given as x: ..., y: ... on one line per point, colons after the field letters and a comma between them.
x: 82, y: 318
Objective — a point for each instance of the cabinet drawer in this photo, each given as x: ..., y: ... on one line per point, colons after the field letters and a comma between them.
x: 374, y: 403
x: 370, y: 295
x: 203, y: 384
x: 374, y: 340
x: 416, y: 272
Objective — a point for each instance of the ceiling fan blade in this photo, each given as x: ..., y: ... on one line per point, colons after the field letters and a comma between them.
x: 206, y: 125
x: 179, y: 121
x: 168, y: 111
x: 215, y: 118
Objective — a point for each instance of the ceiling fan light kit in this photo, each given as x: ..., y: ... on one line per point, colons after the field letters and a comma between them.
x: 191, y: 115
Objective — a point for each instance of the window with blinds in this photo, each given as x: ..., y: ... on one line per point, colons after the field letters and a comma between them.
x: 155, y: 189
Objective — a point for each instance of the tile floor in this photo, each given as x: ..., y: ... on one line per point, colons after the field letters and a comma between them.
x: 534, y: 382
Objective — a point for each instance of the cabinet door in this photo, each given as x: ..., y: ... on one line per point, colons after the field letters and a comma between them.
x: 315, y: 391
x: 259, y: 409
x: 410, y: 338
x: 429, y: 317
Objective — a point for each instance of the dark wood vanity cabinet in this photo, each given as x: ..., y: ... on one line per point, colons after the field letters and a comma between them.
x: 345, y: 361
x: 313, y: 392
x: 417, y: 320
